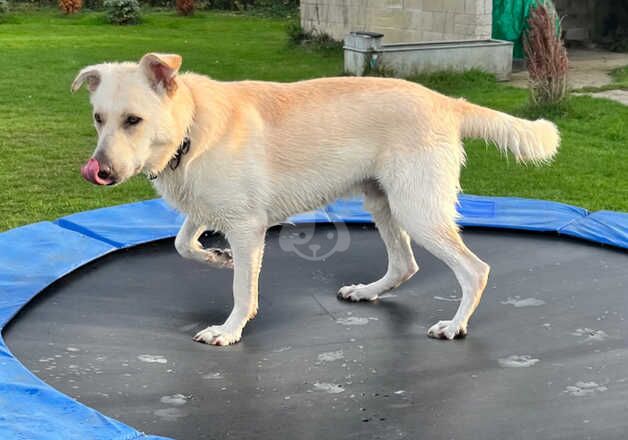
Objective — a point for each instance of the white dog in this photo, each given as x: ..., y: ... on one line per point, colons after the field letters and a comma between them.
x: 238, y: 157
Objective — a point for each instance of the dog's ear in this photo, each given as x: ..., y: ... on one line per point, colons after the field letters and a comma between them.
x: 161, y: 70
x: 89, y: 75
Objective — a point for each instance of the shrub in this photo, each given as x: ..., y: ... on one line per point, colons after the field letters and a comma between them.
x: 296, y: 33
x: 185, y: 7
x: 282, y: 8
x: 70, y: 6
x: 546, y: 56
x: 314, y: 39
x: 122, y: 11
x: 93, y: 4
x: 4, y: 6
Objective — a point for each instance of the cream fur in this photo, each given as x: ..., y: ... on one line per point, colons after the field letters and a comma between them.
x: 264, y: 151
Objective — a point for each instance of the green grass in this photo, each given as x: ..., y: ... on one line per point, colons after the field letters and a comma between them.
x: 46, y: 133
x: 620, y: 77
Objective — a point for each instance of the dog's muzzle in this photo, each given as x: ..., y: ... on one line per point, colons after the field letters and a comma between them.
x: 96, y: 173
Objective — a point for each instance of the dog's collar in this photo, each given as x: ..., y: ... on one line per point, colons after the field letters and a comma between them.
x: 174, y: 162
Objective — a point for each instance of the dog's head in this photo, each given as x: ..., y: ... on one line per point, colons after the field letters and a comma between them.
x: 139, y: 113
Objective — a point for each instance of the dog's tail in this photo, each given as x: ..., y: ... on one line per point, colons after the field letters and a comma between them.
x: 529, y: 141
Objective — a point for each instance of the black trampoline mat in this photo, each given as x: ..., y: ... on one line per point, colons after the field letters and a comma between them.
x: 546, y: 355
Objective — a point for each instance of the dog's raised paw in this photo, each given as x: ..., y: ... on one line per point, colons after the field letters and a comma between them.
x: 218, y: 335
x: 220, y: 258
x: 357, y: 292
x: 447, y: 330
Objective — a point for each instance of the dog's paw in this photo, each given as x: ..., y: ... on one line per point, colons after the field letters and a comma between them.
x: 357, y: 292
x: 218, y: 335
x: 220, y: 258
x: 447, y: 330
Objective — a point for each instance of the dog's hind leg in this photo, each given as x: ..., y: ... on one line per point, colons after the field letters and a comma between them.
x: 423, y: 200
x: 247, y: 245
x: 445, y: 243
x: 401, y: 262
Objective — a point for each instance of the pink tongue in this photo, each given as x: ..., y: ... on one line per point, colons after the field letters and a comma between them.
x: 90, y: 173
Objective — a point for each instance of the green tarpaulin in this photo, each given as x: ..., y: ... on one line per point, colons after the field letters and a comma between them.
x: 510, y: 18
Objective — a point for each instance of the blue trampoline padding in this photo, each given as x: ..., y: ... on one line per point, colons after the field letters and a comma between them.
x: 126, y: 225
x: 516, y: 213
x: 34, y: 256
x: 606, y: 227
x: 492, y: 212
x: 32, y: 410
x: 31, y: 258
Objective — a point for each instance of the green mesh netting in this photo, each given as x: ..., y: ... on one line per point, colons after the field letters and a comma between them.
x: 510, y: 19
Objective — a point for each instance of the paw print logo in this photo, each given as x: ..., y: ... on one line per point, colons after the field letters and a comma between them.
x: 315, y: 242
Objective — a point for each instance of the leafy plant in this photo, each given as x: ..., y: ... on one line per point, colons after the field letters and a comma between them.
x: 278, y: 8
x: 313, y: 39
x: 70, y: 6
x: 185, y: 7
x: 4, y: 6
x: 546, y: 56
x: 295, y: 32
x: 122, y: 11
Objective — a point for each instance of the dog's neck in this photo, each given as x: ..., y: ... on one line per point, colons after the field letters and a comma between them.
x: 185, y: 108
x: 175, y: 160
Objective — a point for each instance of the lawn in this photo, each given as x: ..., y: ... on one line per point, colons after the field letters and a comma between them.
x: 46, y: 133
x: 620, y: 78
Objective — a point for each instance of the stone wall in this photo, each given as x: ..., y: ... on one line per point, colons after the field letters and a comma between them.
x: 401, y: 20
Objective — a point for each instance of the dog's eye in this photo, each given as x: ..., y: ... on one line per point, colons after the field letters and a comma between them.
x: 132, y: 120
x: 97, y: 118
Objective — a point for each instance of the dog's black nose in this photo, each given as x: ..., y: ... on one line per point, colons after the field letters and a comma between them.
x: 104, y: 172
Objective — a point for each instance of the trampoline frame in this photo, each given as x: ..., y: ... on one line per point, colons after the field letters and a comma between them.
x: 34, y: 256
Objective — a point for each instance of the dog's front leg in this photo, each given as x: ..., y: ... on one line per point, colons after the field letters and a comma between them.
x: 247, y: 246
x: 188, y: 246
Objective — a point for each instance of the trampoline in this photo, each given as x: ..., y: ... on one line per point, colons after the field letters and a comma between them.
x: 111, y: 332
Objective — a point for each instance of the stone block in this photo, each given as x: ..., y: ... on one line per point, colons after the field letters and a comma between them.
x: 414, y: 5
x: 394, y: 4
x: 433, y: 36
x: 426, y: 20
x: 474, y: 6
x: 450, y: 22
x: 438, y: 22
x: 488, y: 6
x: 433, y: 5
x: 467, y: 19
x: 453, y: 6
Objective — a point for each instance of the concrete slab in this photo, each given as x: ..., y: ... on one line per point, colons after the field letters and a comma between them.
x: 588, y: 68
x: 620, y: 96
